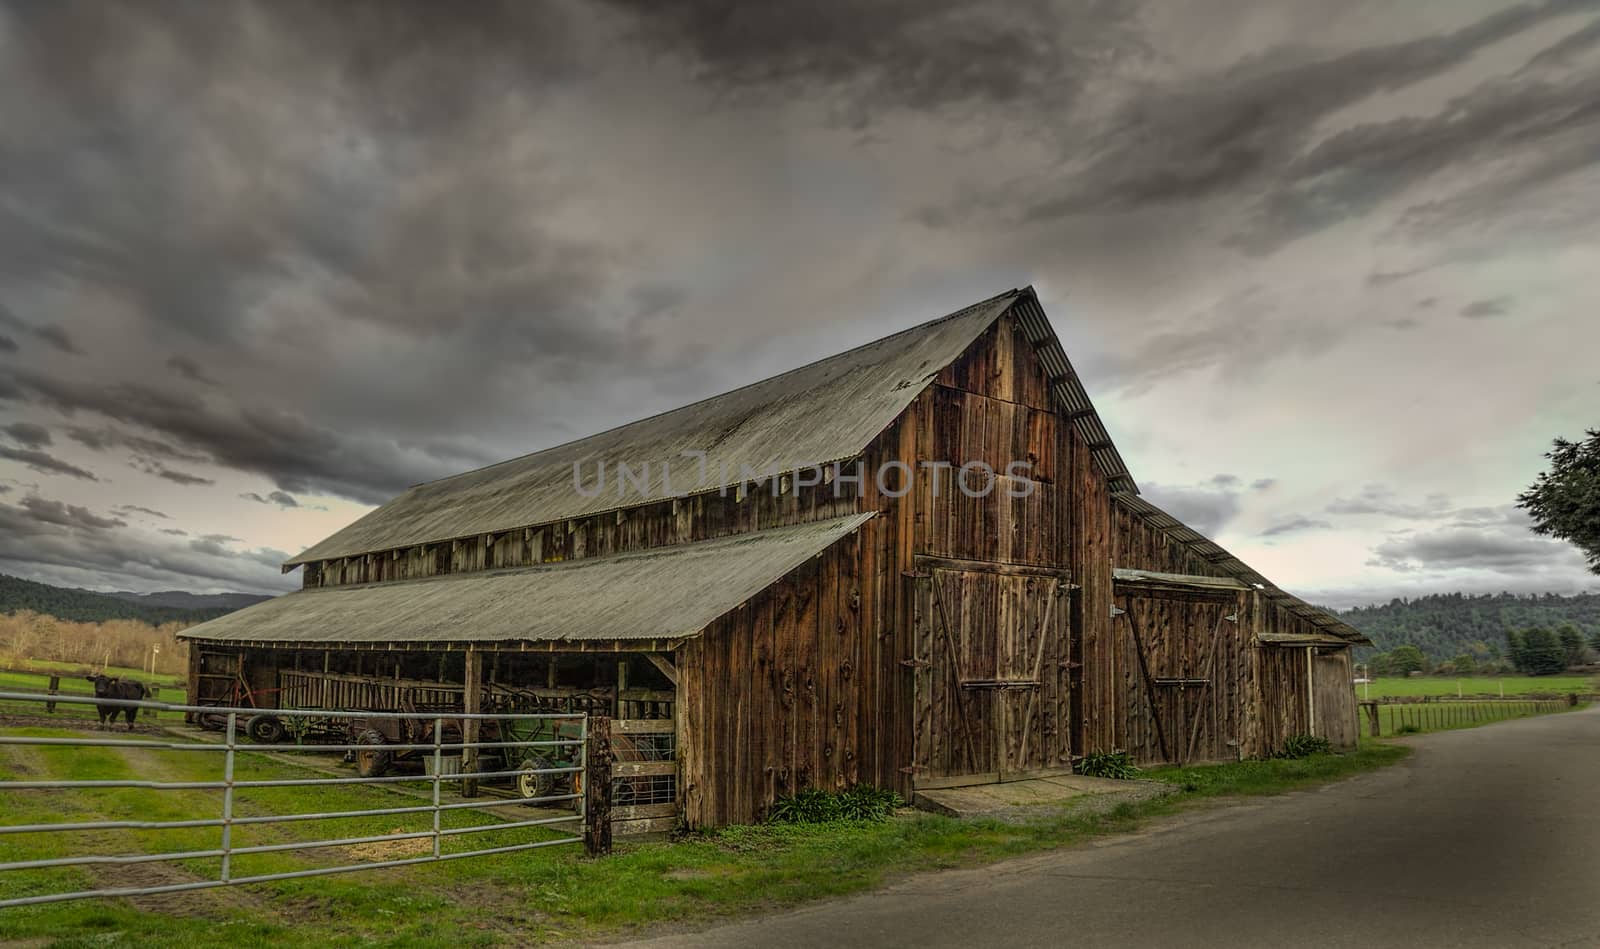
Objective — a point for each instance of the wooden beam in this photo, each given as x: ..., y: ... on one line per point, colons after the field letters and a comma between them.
x: 471, y: 704
x: 665, y: 665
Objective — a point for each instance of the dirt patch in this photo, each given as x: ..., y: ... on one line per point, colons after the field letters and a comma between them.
x: 391, y: 849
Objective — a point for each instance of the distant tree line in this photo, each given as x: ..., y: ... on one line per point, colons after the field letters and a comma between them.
x: 1456, y: 633
x: 84, y: 606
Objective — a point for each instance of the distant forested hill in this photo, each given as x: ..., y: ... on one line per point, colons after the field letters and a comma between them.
x: 87, y: 607
x: 1448, y: 624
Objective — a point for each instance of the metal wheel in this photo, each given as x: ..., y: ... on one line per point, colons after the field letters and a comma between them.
x: 530, y: 783
x: 374, y: 762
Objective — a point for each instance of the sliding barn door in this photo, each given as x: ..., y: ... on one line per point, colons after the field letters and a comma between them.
x: 992, y: 672
x: 1186, y: 666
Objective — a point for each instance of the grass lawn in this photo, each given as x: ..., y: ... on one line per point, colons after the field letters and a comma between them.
x: 512, y: 899
x: 1473, y: 685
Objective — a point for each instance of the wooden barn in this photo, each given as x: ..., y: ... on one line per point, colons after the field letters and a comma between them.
x: 918, y: 563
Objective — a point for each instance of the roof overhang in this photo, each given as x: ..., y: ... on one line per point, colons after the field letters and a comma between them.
x: 1214, y: 554
x: 661, y: 594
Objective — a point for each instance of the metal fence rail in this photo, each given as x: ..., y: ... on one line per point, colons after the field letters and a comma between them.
x: 230, y: 748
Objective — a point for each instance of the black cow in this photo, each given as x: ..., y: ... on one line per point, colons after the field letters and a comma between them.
x: 112, y: 687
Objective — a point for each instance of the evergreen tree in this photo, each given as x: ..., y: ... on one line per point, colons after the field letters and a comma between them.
x: 1543, y: 652
x: 1517, y: 650
x: 1571, y: 643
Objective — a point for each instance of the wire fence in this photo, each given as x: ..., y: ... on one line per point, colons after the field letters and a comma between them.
x: 530, y: 750
x: 1384, y: 718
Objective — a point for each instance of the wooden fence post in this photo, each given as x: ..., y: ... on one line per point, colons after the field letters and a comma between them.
x: 55, y: 686
x: 597, y: 788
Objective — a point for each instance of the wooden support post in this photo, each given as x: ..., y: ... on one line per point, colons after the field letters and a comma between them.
x: 471, y: 704
x: 55, y: 686
x: 622, y: 685
x: 597, y: 788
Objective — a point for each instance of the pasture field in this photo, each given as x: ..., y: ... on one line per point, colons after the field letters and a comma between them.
x: 72, y: 681
x: 550, y: 895
x: 1421, y: 717
x: 1476, y: 685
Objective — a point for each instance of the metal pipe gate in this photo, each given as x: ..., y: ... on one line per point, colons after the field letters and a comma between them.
x: 227, y: 819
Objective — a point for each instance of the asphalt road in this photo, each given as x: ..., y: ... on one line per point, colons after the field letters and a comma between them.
x: 1484, y: 837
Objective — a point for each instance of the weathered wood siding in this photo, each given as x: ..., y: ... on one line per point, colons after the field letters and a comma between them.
x: 771, y: 698
x: 1186, y: 702
x: 1007, y: 627
x: 1334, y: 684
x: 698, y: 517
x: 1281, y: 710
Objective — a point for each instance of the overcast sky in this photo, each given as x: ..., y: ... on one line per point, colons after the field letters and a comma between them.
x: 1328, y: 270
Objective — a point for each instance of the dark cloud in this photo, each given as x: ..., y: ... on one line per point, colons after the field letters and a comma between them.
x: 299, y: 456
x: 189, y: 369
x: 182, y: 477
x: 27, y: 434
x: 1459, y: 548
x: 68, y: 515
x: 1382, y: 278
x: 1381, y: 500
x: 107, y: 438
x: 53, y: 335
x: 1487, y: 309
x: 276, y: 497
x: 136, y: 509
x: 1255, y: 135
x: 45, y: 463
x: 175, y: 531
x: 1206, y: 507
x: 1296, y: 525
x: 71, y: 551
x: 917, y: 54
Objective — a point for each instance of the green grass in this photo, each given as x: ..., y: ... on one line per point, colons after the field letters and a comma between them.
x: 515, y: 899
x: 1473, y: 685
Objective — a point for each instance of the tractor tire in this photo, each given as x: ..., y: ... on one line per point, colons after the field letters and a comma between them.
x: 530, y: 783
x: 372, y: 763
x: 266, y: 729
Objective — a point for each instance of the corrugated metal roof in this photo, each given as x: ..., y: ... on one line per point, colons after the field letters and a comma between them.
x: 660, y: 593
x: 1070, y: 395
x: 1214, y: 554
x: 1124, y: 575
x: 821, y: 413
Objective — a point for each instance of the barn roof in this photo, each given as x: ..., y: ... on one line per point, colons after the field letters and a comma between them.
x: 1211, y: 552
x: 818, y: 414
x: 661, y: 593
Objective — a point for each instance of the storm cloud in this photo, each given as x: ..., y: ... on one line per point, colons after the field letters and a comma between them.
x: 267, y: 263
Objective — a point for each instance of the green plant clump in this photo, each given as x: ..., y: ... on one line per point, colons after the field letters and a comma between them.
x: 861, y: 802
x: 1408, y: 729
x: 1108, y: 764
x: 1305, y: 746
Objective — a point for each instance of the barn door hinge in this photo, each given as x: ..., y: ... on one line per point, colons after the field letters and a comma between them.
x: 915, y: 574
x: 1071, y: 664
x: 1117, y: 611
x: 915, y: 663
x: 912, y: 769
